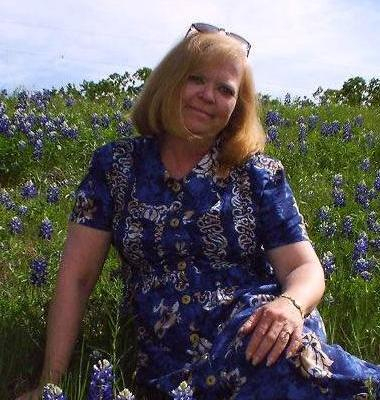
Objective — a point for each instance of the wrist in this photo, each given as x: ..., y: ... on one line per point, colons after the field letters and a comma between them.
x: 295, y: 303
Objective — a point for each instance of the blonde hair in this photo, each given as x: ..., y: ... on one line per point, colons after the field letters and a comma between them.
x: 158, y: 108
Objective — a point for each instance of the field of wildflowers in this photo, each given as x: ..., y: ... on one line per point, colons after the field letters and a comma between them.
x: 332, y: 157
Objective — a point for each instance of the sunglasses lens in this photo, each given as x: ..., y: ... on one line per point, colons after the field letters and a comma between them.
x: 204, y: 28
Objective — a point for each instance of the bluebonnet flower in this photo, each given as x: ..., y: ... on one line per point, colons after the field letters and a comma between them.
x: 52, y: 195
x: 101, y: 385
x: 360, y: 265
x: 52, y: 136
x: 105, y: 121
x: 376, y: 184
x: 46, y: 229
x: 302, y: 132
x: 37, y: 149
x: 127, y: 103
x: 117, y: 116
x: 370, y: 139
x: 365, y: 165
x: 95, y: 119
x: 328, y: 263
x: 272, y: 133
x: 360, y: 246
x: 323, y: 213
x: 337, y: 180
x: 330, y: 129
x: 303, y: 147
x: 287, y: 99
x: 183, y: 392
x: 5, y: 125
x: 125, y: 128
x: 328, y: 229
x: 359, y: 121
x: 69, y: 132
x: 347, y: 225
x: 375, y: 244
x: 125, y: 394
x: 312, y: 122
x: 38, y: 271
x: 273, y: 118
x: 22, y: 210
x: 347, y: 132
x: 70, y: 101
x: 6, y: 200
x: 338, y: 197
x: 372, y: 194
x: 52, y: 392
x: 372, y: 223
x: 362, y: 196
x: 16, y: 226
x: 29, y: 190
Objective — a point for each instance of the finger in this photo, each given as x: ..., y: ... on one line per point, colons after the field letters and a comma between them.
x: 257, y: 336
x: 280, y: 345
x: 260, y: 352
x: 295, y: 343
x: 251, y: 322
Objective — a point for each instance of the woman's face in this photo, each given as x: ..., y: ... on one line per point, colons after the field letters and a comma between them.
x: 209, y: 98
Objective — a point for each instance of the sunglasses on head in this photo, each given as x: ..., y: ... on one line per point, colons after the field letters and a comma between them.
x: 207, y: 28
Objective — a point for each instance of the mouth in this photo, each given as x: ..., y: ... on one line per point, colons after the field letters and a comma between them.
x: 200, y: 111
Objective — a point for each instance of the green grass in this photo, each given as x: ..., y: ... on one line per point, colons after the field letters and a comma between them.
x: 352, y: 306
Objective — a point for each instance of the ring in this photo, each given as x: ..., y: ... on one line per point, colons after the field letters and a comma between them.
x: 284, y: 336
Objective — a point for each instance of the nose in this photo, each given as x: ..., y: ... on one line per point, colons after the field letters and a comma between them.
x: 207, y: 93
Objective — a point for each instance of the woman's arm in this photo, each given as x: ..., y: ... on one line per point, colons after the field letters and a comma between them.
x: 277, y: 325
x: 84, y: 254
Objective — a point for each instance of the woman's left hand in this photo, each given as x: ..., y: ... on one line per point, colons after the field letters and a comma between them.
x: 275, y: 326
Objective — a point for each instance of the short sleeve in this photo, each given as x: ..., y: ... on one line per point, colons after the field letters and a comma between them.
x: 93, y: 203
x: 279, y: 219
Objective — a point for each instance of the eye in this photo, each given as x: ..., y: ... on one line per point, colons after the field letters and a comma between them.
x: 196, y: 79
x: 226, y: 90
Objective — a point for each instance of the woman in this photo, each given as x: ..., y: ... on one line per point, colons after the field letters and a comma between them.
x: 218, y: 268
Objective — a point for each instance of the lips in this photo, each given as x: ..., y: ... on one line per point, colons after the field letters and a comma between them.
x: 200, y: 111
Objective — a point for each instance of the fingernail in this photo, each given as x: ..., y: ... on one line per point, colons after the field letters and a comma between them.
x: 269, y: 362
x: 255, y: 361
x: 289, y: 354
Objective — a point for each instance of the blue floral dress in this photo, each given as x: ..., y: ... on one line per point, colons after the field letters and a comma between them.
x: 194, y: 266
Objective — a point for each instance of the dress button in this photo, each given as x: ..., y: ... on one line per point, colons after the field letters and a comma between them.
x: 194, y: 339
x: 181, y: 265
x: 186, y: 299
x: 174, y: 222
x: 176, y: 186
x: 210, y: 380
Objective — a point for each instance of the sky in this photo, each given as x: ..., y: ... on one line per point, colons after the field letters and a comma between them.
x: 297, y: 45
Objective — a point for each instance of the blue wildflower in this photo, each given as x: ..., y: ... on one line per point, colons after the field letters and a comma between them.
x: 37, y: 149
x: 272, y: 134
x: 347, y: 225
x: 376, y: 184
x: 359, y: 121
x: 70, y: 101
x: 323, y: 213
x: 360, y: 246
x: 16, y: 226
x: 362, y: 195
x: 372, y: 223
x: 38, y: 271
x: 328, y: 263
x: 46, y: 229
x: 347, y: 132
x: 101, y: 385
x: 52, y: 195
x: 337, y: 180
x: 125, y: 394
x: 303, y: 147
x: 375, y: 244
x: 183, y: 392
x: 302, y: 132
x: 312, y: 122
x: 127, y: 103
x: 328, y: 229
x: 273, y: 118
x: 365, y: 165
x: 360, y: 265
x: 125, y: 128
x: 287, y: 99
x: 370, y: 139
x: 29, y: 190
x: 105, y: 121
x: 338, y: 197
x: 6, y: 200
x: 52, y: 392
x: 22, y: 210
